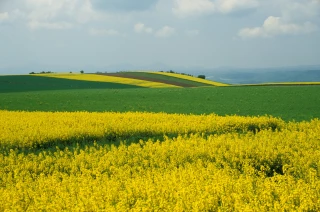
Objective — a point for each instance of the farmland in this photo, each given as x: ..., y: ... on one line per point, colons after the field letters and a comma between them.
x: 109, y: 79
x: 289, y: 103
x: 170, y: 78
x: 79, y: 144
x: 25, y: 83
x: 84, y: 161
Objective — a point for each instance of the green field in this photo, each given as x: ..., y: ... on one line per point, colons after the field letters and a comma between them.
x: 290, y: 103
x: 23, y: 83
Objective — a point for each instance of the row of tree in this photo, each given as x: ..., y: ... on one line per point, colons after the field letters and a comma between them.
x: 50, y: 72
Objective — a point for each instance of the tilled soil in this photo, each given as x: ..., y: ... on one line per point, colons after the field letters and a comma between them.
x: 147, y: 79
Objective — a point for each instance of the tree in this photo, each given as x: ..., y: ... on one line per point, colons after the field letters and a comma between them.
x: 202, y: 76
x: 81, y: 71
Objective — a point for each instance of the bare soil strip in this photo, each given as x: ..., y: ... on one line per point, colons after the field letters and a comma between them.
x: 147, y: 79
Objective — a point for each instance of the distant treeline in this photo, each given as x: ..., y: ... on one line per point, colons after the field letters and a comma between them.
x: 42, y: 72
x: 199, y: 76
x: 173, y: 72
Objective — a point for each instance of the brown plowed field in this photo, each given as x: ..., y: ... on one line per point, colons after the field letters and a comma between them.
x: 147, y: 79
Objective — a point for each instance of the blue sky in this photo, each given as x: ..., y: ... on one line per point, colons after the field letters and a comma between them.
x: 96, y: 35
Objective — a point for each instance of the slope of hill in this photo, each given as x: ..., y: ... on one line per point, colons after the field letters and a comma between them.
x: 157, y: 78
x: 191, y: 78
x: 181, y: 80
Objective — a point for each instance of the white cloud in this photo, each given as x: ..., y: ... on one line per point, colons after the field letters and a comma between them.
x: 229, y: 6
x: 4, y: 16
x: 184, y: 8
x: 141, y: 28
x: 105, y: 32
x: 274, y: 26
x: 297, y: 17
x: 251, y: 32
x: 165, y: 31
x: 54, y: 14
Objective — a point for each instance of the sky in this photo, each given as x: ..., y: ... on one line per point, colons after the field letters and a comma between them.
x: 98, y: 35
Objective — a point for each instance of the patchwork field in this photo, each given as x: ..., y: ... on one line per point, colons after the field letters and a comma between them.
x: 110, y: 79
x: 156, y: 142
x: 168, y: 78
x: 190, y: 78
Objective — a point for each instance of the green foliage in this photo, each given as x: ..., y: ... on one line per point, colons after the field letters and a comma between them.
x: 81, y: 71
x: 173, y: 72
x: 202, y: 76
x: 42, y: 72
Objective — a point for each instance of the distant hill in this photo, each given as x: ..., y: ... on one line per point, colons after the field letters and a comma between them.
x: 265, y: 75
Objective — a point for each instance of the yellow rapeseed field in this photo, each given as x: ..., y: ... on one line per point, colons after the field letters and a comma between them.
x: 195, y: 79
x: 83, y: 161
x: 101, y: 78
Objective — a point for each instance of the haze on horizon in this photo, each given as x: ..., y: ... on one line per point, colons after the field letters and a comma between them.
x: 72, y: 35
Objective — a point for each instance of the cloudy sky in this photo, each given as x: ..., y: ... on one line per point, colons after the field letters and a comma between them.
x: 154, y: 34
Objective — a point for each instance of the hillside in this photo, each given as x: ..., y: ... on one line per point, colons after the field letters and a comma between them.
x: 177, y: 79
x: 110, y: 79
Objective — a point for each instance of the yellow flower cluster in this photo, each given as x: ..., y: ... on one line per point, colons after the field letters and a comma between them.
x: 112, y: 79
x: 204, y: 163
x: 29, y: 129
x: 195, y: 79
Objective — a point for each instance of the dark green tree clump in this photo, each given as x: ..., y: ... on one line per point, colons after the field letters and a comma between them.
x: 202, y: 76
